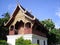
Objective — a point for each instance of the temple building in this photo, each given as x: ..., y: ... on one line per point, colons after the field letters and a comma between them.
x: 23, y: 23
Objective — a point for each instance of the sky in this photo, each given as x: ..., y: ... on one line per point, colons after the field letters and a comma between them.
x: 41, y: 9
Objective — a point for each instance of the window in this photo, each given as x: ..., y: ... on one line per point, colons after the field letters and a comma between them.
x: 12, y: 27
x: 44, y: 42
x: 16, y: 25
x: 19, y: 24
x: 38, y: 42
x: 28, y: 25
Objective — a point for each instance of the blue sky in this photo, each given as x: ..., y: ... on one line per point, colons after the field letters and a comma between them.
x: 41, y: 9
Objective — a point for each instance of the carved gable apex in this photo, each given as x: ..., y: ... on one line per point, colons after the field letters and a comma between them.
x: 19, y: 12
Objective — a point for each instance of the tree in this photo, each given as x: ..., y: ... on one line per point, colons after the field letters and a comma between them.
x: 54, y: 35
x: 48, y: 23
x: 3, y: 42
x: 6, y: 17
x: 3, y: 29
x: 21, y: 41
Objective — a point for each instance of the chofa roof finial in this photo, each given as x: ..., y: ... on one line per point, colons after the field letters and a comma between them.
x: 17, y: 2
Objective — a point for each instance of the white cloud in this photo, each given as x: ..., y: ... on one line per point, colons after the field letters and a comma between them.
x: 58, y: 12
x: 57, y: 25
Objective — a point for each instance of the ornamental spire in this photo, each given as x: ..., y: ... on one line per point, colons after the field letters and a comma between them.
x: 17, y: 2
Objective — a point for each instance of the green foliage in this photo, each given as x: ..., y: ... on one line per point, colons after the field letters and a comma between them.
x: 3, y: 42
x: 3, y: 29
x: 21, y: 41
x: 48, y: 23
x: 6, y: 15
x: 54, y: 34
